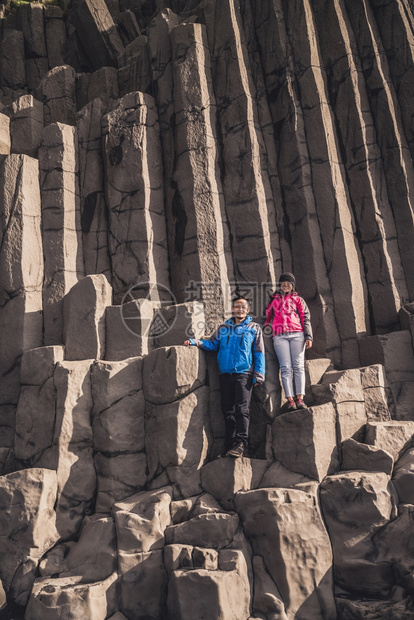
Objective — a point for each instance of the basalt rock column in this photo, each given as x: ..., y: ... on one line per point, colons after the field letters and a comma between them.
x: 21, y: 276
x: 367, y: 185
x: 302, y: 226
x: 333, y: 206
x: 247, y: 191
x: 390, y: 130
x: 135, y: 198
x: 203, y: 252
x: 62, y: 239
x: 92, y: 200
x: 31, y: 17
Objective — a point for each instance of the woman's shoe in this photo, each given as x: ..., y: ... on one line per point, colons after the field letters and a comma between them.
x: 300, y: 404
x: 291, y: 406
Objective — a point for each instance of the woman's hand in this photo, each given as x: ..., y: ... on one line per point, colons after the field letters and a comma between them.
x: 308, y: 344
x: 187, y: 343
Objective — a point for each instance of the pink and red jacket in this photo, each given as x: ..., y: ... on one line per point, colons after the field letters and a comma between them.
x: 288, y: 313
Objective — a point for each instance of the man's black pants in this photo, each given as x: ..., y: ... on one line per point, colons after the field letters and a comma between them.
x: 236, y: 393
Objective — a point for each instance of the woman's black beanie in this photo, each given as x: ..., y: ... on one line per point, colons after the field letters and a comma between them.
x: 288, y: 277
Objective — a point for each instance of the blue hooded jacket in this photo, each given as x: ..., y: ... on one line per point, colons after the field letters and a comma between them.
x: 240, y: 348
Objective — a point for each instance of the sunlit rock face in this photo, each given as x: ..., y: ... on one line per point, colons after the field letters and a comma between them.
x: 157, y: 158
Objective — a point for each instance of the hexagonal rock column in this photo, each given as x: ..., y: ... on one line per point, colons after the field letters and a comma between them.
x: 394, y: 351
x: 246, y: 186
x: 92, y: 200
x: 377, y: 394
x: 200, y: 245
x: 211, y: 594
x: 387, y: 101
x: 13, y: 68
x: 333, y: 204
x: 276, y: 57
x: 21, y: 276
x: 135, y: 198
x: 84, y: 310
x: 57, y: 92
x: 61, y: 230
x: 356, y: 505
x: 128, y: 328
x: 95, y: 25
x: 305, y: 441
x: 31, y: 18
x: 141, y: 521
x: 118, y: 430
x: 366, y: 179
x: 285, y: 526
x: 28, y: 527
x: 35, y: 415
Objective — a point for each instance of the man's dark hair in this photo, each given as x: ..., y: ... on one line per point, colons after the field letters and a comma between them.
x: 238, y: 299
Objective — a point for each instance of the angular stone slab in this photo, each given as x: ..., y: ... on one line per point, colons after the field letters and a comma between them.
x: 26, y: 125
x: 51, y: 599
x: 363, y: 457
x: 28, y: 526
x: 277, y: 475
x: 215, y: 530
x: 377, y: 394
x: 135, y: 199
x: 180, y: 322
x: 283, y: 526
x: 84, y: 308
x: 305, y: 441
x: 392, y: 436
x: 173, y: 372
x: 21, y: 277
x: 355, y: 505
x: 61, y: 227
x: 223, y: 478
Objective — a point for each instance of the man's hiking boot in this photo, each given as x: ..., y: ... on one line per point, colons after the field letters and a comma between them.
x: 236, y: 451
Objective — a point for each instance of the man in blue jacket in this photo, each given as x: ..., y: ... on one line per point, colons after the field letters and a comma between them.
x: 241, y: 360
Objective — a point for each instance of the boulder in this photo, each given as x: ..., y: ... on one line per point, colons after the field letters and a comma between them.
x: 84, y: 309
x: 304, y: 441
x: 285, y: 526
x: 28, y: 527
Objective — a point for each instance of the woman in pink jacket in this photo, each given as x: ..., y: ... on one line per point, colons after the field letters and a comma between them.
x: 289, y: 317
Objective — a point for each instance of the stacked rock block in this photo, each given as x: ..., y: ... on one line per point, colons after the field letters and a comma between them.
x: 148, y: 146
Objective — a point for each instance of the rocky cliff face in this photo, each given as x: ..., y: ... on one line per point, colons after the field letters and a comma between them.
x: 156, y: 156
